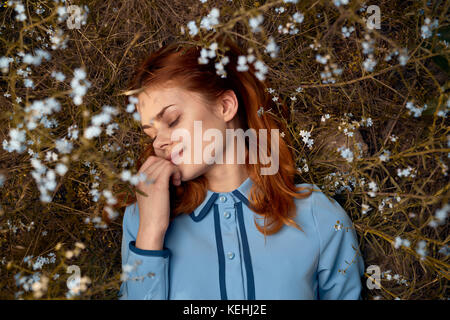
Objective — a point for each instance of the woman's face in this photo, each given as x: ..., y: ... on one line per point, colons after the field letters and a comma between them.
x: 172, y: 107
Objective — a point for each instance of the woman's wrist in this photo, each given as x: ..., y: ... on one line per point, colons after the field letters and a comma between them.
x: 150, y: 239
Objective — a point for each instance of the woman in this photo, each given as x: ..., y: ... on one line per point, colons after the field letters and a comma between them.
x: 196, y: 234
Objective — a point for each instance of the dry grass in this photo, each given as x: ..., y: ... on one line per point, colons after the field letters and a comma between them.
x: 118, y: 34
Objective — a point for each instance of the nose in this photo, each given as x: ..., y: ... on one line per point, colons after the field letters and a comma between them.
x: 162, y: 142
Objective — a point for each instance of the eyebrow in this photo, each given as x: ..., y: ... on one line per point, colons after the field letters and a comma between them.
x: 158, y: 116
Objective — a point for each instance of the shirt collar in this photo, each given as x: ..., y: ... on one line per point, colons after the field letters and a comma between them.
x: 241, y: 193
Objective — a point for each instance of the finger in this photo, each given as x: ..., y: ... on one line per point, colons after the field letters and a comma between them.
x: 153, y: 170
x: 166, y: 173
x: 150, y: 160
x: 176, y: 174
x: 171, y: 173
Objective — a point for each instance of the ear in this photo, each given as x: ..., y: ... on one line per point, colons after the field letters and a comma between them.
x: 228, y: 105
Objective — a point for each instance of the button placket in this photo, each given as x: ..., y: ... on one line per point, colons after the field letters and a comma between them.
x: 228, y: 215
x: 229, y: 210
x: 231, y: 247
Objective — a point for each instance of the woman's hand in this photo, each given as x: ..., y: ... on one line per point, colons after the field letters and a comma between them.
x: 154, y: 209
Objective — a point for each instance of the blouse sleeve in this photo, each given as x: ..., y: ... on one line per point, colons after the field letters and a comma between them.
x: 145, y: 273
x: 340, y: 266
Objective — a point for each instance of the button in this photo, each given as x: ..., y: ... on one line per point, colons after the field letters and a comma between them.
x: 222, y: 198
x: 230, y: 255
x: 227, y: 215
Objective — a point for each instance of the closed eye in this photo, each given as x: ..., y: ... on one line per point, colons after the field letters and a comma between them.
x: 170, y: 126
x: 174, y: 122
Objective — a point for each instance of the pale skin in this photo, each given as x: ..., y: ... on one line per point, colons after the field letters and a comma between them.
x: 185, y: 107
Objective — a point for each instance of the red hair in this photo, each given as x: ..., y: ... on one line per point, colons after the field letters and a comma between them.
x: 179, y: 64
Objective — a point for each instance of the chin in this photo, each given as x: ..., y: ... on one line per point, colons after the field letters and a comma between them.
x: 190, y: 172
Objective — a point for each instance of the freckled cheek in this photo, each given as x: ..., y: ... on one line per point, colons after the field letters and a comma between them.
x: 189, y: 141
x: 179, y: 136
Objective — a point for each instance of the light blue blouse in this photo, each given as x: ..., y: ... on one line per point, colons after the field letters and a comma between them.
x: 217, y: 252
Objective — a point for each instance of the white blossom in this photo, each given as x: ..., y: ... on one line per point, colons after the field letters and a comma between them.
x: 137, y: 116
x: 262, y: 70
x: 440, y: 216
x: 385, y: 156
x: 365, y: 208
x: 79, y: 88
x: 347, y: 31
x: 414, y: 110
x: 255, y: 23
x: 337, y: 3
x: 242, y: 64
x: 61, y: 169
x: 427, y: 28
x: 403, y: 57
x: 72, y: 132
x: 206, y: 54
x: 210, y: 20
x: 92, y: 132
x: 17, y: 137
x: 28, y: 83
x: 36, y: 59
x: 306, y: 135
x: 64, y: 146
x: 4, y: 63
x: 298, y: 17
x: 272, y: 48
x: 110, y: 128
x: 407, y: 172
x: 20, y: 10
x: 322, y: 59
x: 369, y: 63
x: 59, y: 76
x: 373, y: 188
x: 346, y: 153
x: 421, y: 248
x: 193, y: 29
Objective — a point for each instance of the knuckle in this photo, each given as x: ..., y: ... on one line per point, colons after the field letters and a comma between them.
x: 146, y: 166
x: 152, y: 159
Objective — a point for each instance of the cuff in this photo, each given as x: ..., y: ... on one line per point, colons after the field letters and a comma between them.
x: 165, y: 253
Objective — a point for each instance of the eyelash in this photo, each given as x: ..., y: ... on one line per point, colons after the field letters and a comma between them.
x: 174, y: 122
x: 170, y: 126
